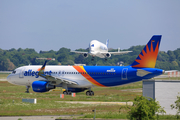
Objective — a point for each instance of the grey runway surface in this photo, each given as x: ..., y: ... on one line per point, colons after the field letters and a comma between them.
x: 49, y: 118
x: 30, y: 118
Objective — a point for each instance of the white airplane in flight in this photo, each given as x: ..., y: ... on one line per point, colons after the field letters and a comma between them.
x: 80, y: 78
x: 99, y: 49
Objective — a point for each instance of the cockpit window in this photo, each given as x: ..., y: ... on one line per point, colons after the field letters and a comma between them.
x: 14, y: 72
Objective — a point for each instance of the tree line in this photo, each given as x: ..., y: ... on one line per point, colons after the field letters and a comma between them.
x: 13, y: 58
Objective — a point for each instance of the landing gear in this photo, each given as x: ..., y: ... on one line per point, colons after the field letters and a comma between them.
x: 27, y: 89
x: 92, y: 59
x: 105, y: 59
x: 90, y: 93
x: 67, y: 92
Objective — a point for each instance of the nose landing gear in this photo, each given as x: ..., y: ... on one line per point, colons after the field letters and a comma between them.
x: 27, y: 89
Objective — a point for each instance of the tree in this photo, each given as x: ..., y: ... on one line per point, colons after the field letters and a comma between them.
x: 176, y: 106
x: 11, y: 66
x: 172, y: 57
x: 144, y: 109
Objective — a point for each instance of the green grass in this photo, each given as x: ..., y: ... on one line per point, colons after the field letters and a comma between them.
x: 11, y: 100
x: 3, y: 75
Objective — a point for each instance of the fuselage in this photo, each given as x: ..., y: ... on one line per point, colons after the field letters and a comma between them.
x: 84, y: 76
x: 96, y: 47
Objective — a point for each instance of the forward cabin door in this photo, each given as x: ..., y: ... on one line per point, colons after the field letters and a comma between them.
x: 21, y: 74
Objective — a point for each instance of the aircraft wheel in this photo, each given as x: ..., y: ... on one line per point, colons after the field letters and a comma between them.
x: 92, y: 93
x: 69, y: 92
x: 65, y: 93
x: 88, y: 93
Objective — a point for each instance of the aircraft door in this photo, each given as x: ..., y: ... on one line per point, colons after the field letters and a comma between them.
x: 21, y: 74
x: 124, y: 74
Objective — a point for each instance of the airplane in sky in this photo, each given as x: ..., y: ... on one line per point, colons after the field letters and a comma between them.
x: 99, y: 49
x: 81, y: 78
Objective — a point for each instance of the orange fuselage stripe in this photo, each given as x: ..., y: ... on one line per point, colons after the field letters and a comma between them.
x: 81, y: 69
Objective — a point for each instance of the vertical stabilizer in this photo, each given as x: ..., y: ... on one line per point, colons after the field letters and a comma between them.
x: 147, y: 57
x: 107, y: 42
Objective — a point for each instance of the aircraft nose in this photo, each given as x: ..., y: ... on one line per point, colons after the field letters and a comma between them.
x: 9, y: 78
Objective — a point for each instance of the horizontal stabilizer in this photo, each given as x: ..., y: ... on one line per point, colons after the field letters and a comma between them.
x: 142, y: 73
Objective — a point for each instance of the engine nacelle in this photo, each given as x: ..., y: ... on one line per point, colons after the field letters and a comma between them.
x: 108, y: 55
x: 85, y: 55
x: 42, y: 86
x: 77, y: 89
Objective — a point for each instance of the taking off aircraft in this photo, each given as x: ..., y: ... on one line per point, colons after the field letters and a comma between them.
x: 80, y: 78
x: 99, y: 49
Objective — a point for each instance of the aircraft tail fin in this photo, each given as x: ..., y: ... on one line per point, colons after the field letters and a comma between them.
x: 147, y: 57
x: 107, y: 42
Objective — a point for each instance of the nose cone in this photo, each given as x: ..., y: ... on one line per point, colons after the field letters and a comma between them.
x: 163, y: 71
x: 9, y: 78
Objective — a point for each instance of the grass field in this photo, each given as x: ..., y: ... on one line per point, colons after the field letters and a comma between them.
x: 3, y: 75
x: 11, y: 101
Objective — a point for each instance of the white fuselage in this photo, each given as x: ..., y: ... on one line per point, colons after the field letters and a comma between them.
x: 96, y: 48
x: 26, y: 75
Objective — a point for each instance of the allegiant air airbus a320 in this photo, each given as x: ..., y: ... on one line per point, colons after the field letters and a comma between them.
x: 80, y: 78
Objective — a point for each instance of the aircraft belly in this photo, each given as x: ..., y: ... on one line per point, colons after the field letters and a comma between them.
x: 80, y: 80
x: 100, y: 55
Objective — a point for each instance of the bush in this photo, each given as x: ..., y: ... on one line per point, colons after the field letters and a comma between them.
x: 144, y: 109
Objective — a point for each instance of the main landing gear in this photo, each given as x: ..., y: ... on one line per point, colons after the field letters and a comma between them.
x: 27, y: 89
x: 67, y: 92
x: 90, y: 93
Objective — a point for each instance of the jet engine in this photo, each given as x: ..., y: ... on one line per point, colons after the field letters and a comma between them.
x: 42, y: 86
x: 108, y: 55
x: 85, y: 55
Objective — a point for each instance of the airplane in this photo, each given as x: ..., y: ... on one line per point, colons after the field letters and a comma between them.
x: 81, y: 78
x: 99, y: 49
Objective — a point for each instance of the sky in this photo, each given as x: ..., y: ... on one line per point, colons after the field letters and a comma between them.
x: 52, y: 24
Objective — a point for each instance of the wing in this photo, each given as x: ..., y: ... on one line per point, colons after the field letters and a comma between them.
x: 119, y: 53
x: 52, y: 79
x: 79, y: 52
x: 116, y: 53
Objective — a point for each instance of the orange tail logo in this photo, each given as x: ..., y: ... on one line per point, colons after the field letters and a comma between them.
x: 147, y: 58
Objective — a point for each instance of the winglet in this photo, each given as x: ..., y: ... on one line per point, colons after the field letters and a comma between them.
x: 42, y: 68
x: 107, y: 42
x: 147, y: 58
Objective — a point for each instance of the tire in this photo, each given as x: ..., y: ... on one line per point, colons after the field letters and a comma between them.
x: 88, y: 93
x: 65, y: 92
x: 92, y: 93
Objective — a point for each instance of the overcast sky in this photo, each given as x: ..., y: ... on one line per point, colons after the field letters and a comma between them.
x: 53, y: 24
